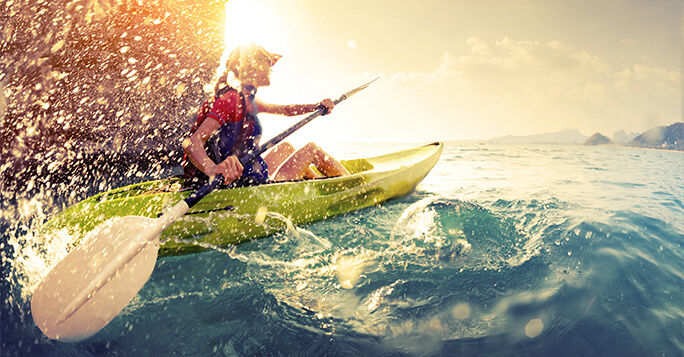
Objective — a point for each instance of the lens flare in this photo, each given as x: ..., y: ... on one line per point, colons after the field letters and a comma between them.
x: 251, y: 21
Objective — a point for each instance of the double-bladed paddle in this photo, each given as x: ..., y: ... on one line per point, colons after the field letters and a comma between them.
x: 100, y: 276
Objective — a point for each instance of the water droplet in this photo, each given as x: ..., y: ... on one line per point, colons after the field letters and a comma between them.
x: 57, y: 46
x: 260, y: 215
x: 534, y: 328
x: 179, y: 89
x: 461, y: 311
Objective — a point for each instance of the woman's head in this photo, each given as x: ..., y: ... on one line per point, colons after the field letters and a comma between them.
x: 251, y: 64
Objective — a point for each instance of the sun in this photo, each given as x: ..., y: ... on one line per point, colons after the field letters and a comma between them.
x: 252, y: 21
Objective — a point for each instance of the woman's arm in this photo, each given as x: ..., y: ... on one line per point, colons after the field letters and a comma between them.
x: 294, y: 109
x: 193, y: 146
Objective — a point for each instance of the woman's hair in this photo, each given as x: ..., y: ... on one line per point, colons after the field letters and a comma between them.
x: 220, y: 82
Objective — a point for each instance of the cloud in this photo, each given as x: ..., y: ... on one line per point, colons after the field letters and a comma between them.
x: 532, y: 65
x: 477, y: 45
x: 529, y: 62
x: 529, y: 86
x: 642, y: 78
x: 447, y: 70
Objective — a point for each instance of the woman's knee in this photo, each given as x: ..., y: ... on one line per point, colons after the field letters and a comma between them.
x: 312, y: 146
x: 284, y: 148
x: 313, y: 149
x: 278, y: 155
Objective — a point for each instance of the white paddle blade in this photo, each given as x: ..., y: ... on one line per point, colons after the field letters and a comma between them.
x: 96, y: 280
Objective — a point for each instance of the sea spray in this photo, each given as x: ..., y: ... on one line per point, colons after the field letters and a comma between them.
x: 35, y: 251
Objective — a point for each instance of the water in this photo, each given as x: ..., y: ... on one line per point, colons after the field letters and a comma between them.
x: 502, y: 250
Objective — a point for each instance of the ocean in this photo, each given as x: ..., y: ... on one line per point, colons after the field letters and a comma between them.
x: 503, y: 250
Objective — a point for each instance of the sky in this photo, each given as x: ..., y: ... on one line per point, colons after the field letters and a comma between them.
x: 454, y: 70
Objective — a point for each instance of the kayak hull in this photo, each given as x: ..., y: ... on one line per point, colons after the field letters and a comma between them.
x: 231, y: 216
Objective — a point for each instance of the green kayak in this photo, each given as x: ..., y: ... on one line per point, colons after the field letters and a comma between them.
x: 229, y: 216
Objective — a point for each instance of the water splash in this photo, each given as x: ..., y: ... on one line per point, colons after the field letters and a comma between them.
x: 457, y: 232
x: 33, y: 252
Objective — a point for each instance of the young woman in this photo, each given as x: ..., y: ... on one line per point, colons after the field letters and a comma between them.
x: 227, y: 127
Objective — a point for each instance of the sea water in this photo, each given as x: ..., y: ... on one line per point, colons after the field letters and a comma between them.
x: 501, y: 250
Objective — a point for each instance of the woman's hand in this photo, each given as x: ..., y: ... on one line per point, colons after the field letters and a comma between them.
x: 230, y: 168
x: 328, y: 104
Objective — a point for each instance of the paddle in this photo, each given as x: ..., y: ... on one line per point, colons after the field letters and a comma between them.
x: 97, y: 279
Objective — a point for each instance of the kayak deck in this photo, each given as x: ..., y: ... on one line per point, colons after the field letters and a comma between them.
x: 230, y: 216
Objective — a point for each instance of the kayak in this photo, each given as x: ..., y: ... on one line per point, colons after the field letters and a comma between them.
x: 234, y: 215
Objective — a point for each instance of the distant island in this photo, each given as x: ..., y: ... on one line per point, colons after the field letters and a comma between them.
x: 598, y: 139
x: 669, y: 137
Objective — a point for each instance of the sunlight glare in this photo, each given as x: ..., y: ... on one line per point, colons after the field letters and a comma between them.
x: 251, y: 21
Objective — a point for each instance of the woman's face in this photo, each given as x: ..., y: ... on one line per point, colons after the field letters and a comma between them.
x: 259, y: 75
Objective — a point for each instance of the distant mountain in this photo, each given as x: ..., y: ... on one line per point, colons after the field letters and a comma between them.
x: 669, y: 137
x: 598, y: 139
x: 568, y: 136
x: 621, y: 138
